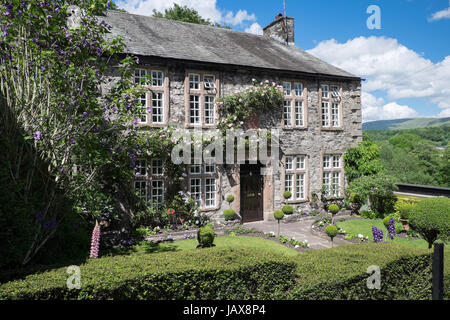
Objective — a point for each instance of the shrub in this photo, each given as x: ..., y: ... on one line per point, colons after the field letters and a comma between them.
x: 287, y: 194
x: 288, y: 210
x: 431, y: 218
x: 210, y: 274
x: 229, y: 198
x: 378, y: 189
x: 205, y: 236
x: 278, y: 215
x: 332, y: 232
x: 386, y: 221
x: 355, y: 198
x: 404, y: 208
x: 229, y: 214
x: 334, y: 208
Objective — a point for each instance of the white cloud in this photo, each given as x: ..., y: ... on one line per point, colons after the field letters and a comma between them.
x: 255, y: 28
x: 391, y: 67
x: 373, y: 108
x: 443, y: 14
x: 444, y: 113
x: 206, y: 8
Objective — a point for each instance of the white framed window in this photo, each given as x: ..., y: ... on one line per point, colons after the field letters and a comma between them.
x: 332, y: 175
x: 325, y: 114
x: 157, y: 107
x: 295, y: 177
x: 157, y: 78
x: 300, y: 163
x: 210, y: 168
x: 300, y: 186
x: 141, y: 168
x: 287, y: 113
x: 335, y: 114
x: 298, y: 89
x: 325, y: 91
x: 289, y: 163
x: 195, y: 188
x: 139, y: 75
x: 157, y: 167
x: 158, y: 192
x: 195, y: 169
x: 142, y: 105
x: 289, y: 184
x: 299, y: 114
x: 209, y: 82
x: 209, y: 110
x: 194, y: 109
x: 287, y: 87
x: 140, y: 187
x: 335, y: 92
x: 210, y: 192
x: 194, y: 81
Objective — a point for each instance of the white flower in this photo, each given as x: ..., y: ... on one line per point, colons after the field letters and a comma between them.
x: 306, y: 241
x: 297, y: 246
x: 360, y: 236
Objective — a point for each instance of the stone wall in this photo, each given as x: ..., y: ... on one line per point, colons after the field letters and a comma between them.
x: 312, y: 141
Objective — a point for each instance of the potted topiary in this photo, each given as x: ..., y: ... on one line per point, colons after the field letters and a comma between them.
x: 288, y: 210
x: 334, y: 209
x: 331, y: 231
x: 205, y: 237
x: 229, y: 214
x: 278, y: 214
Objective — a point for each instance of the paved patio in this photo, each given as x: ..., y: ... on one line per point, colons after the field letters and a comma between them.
x: 301, y: 231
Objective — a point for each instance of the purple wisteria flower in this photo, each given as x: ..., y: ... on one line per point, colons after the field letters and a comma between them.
x: 37, y: 135
x: 39, y: 216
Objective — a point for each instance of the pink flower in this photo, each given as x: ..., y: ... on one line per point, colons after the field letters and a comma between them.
x: 95, y: 243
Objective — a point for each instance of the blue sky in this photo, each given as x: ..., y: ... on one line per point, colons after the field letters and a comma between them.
x: 406, y: 62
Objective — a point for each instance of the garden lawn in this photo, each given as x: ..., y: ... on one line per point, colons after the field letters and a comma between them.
x: 364, y: 227
x: 220, y: 242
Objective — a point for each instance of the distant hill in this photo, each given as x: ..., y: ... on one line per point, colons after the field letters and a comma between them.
x: 401, y: 124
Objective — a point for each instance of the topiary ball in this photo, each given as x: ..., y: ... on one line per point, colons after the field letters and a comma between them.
x: 334, y: 208
x: 205, y: 236
x: 331, y: 231
x: 278, y: 214
x: 287, y: 194
x: 229, y: 198
x: 229, y: 214
x: 288, y: 210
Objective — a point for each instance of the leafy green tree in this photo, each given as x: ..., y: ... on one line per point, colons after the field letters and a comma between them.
x: 362, y: 160
x: 185, y: 14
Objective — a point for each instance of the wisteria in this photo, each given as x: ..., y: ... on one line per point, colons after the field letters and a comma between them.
x: 377, y: 234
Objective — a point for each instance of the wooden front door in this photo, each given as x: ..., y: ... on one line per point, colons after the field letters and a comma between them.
x: 251, y: 193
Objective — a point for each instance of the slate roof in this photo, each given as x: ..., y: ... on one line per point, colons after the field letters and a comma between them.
x: 148, y: 36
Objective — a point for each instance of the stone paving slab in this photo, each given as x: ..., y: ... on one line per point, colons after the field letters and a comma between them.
x: 301, y: 231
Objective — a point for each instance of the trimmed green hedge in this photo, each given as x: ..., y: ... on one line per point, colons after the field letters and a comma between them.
x: 240, y: 273
x: 211, y: 273
x: 340, y: 273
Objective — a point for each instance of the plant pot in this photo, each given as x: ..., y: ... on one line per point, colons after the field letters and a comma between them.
x: 405, y: 224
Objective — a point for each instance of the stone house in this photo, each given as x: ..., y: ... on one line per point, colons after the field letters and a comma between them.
x: 192, y: 65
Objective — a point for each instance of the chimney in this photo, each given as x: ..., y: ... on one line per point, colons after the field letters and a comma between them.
x: 282, y: 29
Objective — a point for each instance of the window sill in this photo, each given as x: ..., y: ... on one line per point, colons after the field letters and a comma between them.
x: 294, y: 128
x: 332, y: 129
x: 296, y: 201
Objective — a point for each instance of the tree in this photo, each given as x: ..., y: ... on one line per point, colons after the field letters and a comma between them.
x: 185, y: 14
x: 63, y: 140
x: 362, y: 160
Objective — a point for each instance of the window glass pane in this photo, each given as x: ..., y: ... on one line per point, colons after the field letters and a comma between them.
x: 194, y: 112
x: 210, y: 168
x: 326, y: 161
x: 210, y: 82
x: 287, y: 88
x: 196, y: 190
x: 336, y: 161
x: 298, y: 88
x: 325, y: 115
x: 301, y: 165
x: 157, y: 78
x: 139, y: 75
x: 210, y: 192
x: 194, y: 81
x: 157, y: 107
x: 195, y: 169
x: 299, y: 122
x: 209, y: 109
x: 335, y: 92
x: 157, y: 167
x: 289, y: 163
x: 288, y: 183
x: 140, y: 188
x: 325, y: 91
x: 158, y: 192
x: 142, y: 105
x: 300, y: 186
x: 336, y: 184
x: 141, y: 168
x: 335, y: 114
x: 287, y: 113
